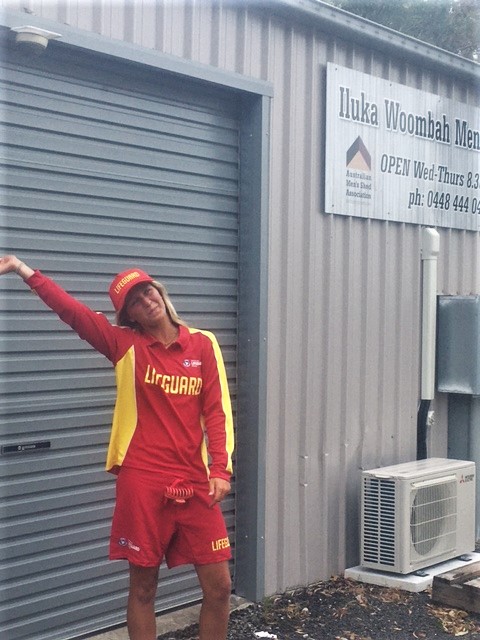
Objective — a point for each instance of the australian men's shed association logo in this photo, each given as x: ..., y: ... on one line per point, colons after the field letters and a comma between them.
x: 359, y: 171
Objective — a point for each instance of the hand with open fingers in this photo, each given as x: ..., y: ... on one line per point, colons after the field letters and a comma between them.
x: 219, y: 488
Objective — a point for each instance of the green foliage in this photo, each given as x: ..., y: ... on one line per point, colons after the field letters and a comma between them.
x: 453, y: 25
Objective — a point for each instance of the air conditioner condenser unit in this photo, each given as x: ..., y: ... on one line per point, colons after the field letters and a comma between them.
x: 417, y: 514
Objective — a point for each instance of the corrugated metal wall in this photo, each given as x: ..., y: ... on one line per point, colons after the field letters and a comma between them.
x: 344, y: 293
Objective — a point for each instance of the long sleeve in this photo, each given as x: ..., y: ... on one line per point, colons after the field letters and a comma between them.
x: 89, y: 325
x: 217, y: 410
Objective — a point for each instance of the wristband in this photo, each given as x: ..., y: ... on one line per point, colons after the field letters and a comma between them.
x: 18, y: 268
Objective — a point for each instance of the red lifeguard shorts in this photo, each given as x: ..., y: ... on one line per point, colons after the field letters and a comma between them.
x: 147, y: 527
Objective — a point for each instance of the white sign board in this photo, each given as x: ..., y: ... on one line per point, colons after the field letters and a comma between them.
x: 397, y: 153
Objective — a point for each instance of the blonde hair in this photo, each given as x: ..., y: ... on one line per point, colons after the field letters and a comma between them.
x: 122, y: 318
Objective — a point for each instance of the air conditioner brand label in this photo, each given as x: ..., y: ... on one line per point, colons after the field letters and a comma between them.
x: 469, y: 478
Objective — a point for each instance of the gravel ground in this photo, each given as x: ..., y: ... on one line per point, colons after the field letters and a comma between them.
x: 342, y: 609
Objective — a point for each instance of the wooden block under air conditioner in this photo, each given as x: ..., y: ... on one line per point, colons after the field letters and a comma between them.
x: 459, y: 588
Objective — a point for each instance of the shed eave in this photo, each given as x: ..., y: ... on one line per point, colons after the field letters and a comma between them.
x: 344, y: 24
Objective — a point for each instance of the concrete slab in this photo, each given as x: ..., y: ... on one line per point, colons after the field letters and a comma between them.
x: 170, y: 622
x: 412, y: 581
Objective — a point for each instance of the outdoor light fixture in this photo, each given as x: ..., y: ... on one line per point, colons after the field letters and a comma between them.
x: 32, y: 39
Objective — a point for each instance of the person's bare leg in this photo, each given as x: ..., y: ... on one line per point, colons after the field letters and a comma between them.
x: 216, y: 587
x: 141, y: 598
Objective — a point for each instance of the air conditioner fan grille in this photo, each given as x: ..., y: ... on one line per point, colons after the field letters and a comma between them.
x: 433, y: 518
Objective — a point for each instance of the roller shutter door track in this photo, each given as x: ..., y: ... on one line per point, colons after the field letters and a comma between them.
x: 103, y: 167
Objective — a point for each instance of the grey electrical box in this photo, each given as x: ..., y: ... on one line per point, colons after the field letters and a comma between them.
x: 458, y: 344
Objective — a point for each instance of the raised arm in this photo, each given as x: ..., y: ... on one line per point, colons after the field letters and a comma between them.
x: 93, y: 327
x: 11, y: 264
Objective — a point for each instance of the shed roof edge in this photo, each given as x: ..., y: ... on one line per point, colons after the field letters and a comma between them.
x: 366, y: 32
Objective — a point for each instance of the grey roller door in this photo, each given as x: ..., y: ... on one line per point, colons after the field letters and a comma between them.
x: 103, y: 167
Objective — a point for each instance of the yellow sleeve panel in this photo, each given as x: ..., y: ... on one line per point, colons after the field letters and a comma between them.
x: 225, y: 398
x: 125, y: 413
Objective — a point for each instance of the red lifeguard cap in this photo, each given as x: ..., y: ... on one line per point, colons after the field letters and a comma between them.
x: 123, y: 283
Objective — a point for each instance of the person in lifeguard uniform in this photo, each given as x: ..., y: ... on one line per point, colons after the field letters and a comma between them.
x: 171, y: 442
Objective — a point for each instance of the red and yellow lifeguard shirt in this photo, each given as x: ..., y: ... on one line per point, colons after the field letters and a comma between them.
x: 170, y: 402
